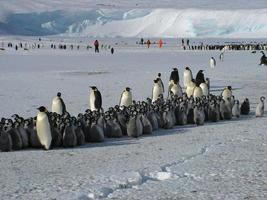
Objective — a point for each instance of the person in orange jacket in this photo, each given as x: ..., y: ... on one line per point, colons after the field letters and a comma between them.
x: 160, y: 43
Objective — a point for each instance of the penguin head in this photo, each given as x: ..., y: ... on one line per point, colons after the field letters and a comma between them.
x: 156, y: 80
x: 174, y: 69
x: 58, y: 94
x: 159, y: 75
x: 94, y: 88
x: 42, y: 109
x: 187, y: 68
x: 262, y: 98
x: 229, y: 87
x: 128, y: 89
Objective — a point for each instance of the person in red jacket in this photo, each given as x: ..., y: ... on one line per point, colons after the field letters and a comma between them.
x: 96, y: 44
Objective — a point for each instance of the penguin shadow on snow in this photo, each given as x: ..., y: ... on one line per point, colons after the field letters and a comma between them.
x: 164, y: 132
x: 125, y: 140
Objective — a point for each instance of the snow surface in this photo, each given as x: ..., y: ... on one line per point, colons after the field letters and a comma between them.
x: 168, y: 19
x: 224, y: 160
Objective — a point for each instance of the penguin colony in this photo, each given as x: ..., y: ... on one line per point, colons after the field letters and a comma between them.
x: 194, y: 105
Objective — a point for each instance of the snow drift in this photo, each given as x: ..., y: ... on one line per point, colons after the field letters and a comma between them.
x: 170, y: 23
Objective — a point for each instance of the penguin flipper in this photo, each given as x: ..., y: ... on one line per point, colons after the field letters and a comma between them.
x: 63, y: 106
x: 120, y: 99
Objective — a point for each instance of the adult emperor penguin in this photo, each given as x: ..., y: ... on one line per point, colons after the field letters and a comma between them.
x: 174, y: 78
x: 95, y: 99
x: 200, y: 78
x: 58, y: 105
x: 188, y: 76
x: 227, y: 93
x: 43, y: 128
x: 161, y: 82
x: 126, y: 97
x: 260, y: 108
x: 212, y: 62
x: 157, y: 90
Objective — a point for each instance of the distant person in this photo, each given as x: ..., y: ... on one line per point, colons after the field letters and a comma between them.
x: 112, y: 50
x: 160, y: 43
x: 183, y: 42
x: 148, y: 43
x: 96, y: 44
x: 142, y: 41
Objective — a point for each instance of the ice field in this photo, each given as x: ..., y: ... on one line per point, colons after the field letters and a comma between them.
x: 139, y: 18
x: 223, y: 160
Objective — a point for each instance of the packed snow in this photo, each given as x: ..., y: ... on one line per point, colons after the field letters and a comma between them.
x: 224, y: 160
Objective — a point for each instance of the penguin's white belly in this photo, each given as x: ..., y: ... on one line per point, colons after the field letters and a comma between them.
x: 212, y: 63
x: 157, y: 90
x: 92, y: 101
x: 187, y: 78
x: 43, y: 130
x: 259, y: 110
x: 57, y: 106
x: 126, y: 99
x: 190, y: 90
x: 197, y: 92
x: 226, y: 94
x: 177, y: 90
x: 205, y: 89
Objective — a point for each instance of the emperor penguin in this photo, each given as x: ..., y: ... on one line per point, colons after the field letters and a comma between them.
x: 58, y: 105
x: 43, y: 128
x: 157, y: 90
x: 126, y: 97
x: 174, y: 78
x: 187, y: 76
x: 227, y: 93
x: 236, y: 109
x: 212, y: 62
x: 200, y: 77
x: 221, y: 56
x: 5, y: 140
x: 95, y: 99
x: 205, y: 89
x: 207, y: 81
x: 160, y: 81
x: 245, y: 107
x: 260, y: 108
x: 190, y: 88
x: 199, y: 115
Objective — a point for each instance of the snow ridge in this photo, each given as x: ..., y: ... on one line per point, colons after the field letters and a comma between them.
x: 168, y: 23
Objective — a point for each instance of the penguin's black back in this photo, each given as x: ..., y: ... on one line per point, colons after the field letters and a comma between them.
x: 200, y: 78
x: 98, y: 99
x: 174, y: 76
x: 63, y: 106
